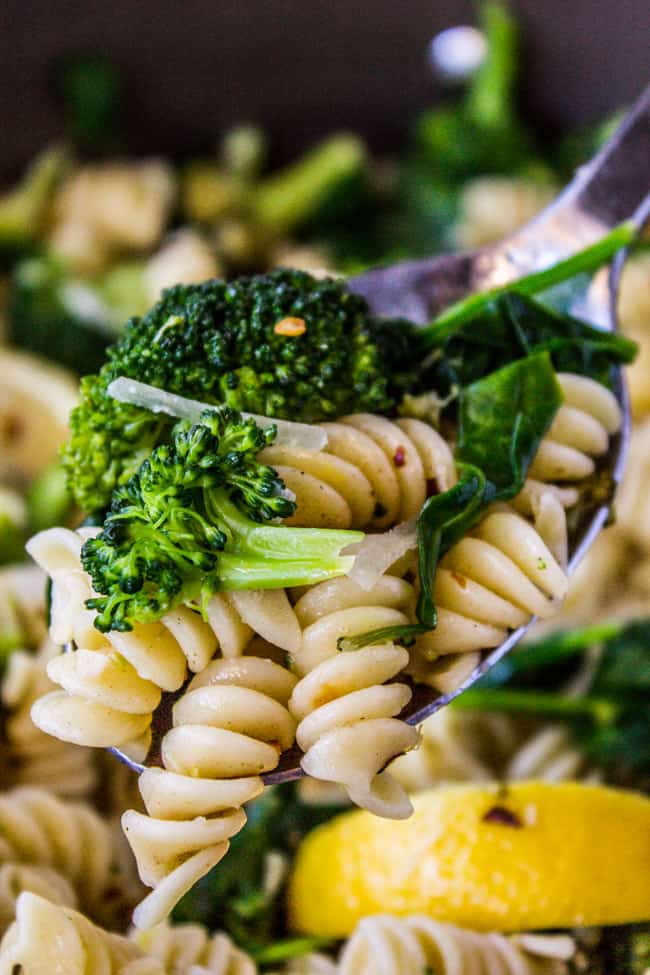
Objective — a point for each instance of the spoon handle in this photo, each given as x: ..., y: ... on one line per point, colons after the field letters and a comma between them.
x: 612, y: 186
x: 604, y: 192
x: 608, y: 189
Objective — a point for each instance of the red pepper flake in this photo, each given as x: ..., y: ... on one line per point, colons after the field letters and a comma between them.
x: 291, y: 327
x: 502, y: 816
x: 399, y: 457
x: 460, y: 579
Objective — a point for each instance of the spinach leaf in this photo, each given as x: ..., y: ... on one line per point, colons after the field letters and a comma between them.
x: 441, y: 515
x: 502, y: 419
x: 514, y: 326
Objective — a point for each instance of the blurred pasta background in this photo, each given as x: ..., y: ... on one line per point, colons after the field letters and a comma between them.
x: 90, y: 236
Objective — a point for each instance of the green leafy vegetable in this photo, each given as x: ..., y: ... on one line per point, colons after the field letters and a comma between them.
x: 23, y: 210
x: 65, y: 318
x: 515, y: 326
x: 483, y: 133
x: 502, y: 419
x: 450, y: 321
x: 440, y: 517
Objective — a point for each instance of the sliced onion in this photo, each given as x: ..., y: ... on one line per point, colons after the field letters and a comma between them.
x: 302, y: 435
x: 376, y: 553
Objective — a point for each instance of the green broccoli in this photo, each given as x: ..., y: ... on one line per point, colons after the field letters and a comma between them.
x: 221, y: 342
x: 190, y: 522
x: 283, y: 345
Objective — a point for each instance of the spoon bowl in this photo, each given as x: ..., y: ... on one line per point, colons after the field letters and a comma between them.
x: 606, y: 191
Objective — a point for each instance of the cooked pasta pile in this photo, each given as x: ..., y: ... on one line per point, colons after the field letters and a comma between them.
x: 262, y: 670
x: 380, y: 945
x: 388, y: 945
x: 466, y: 746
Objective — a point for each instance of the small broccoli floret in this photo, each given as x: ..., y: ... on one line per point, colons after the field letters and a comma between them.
x: 231, y: 343
x: 190, y: 523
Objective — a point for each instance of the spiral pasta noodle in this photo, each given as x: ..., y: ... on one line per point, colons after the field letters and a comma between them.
x: 548, y: 754
x: 74, y: 945
x: 388, y: 945
x: 373, y: 472
x: 188, y: 949
x: 314, y: 963
x: 229, y: 727
x: 346, y: 711
x: 468, y: 746
x: 580, y: 431
x: 44, y: 881
x: 32, y: 757
x: 492, y: 581
x: 111, y: 684
x: 69, y: 838
x: 458, y: 746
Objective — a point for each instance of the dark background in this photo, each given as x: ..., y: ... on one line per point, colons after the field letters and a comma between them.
x: 300, y: 68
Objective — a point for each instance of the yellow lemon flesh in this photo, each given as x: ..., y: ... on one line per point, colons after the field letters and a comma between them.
x: 532, y: 855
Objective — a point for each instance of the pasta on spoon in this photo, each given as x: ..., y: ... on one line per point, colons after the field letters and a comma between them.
x: 224, y: 546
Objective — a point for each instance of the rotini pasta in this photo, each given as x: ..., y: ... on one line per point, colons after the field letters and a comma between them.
x: 112, y: 684
x: 30, y: 756
x: 44, y: 881
x: 40, y: 830
x: 579, y: 432
x: 548, y: 754
x: 46, y: 937
x: 346, y: 712
x: 229, y: 727
x: 388, y: 945
x: 314, y: 963
x: 188, y: 949
x: 490, y: 582
x: 348, y: 729
x: 373, y: 472
x: 466, y: 746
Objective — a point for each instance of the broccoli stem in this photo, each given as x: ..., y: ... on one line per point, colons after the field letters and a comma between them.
x: 585, y: 261
x: 601, y: 710
x: 268, y: 556
x: 289, y: 198
x: 275, y: 541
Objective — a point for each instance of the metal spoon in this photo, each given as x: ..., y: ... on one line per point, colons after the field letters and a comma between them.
x: 614, y: 185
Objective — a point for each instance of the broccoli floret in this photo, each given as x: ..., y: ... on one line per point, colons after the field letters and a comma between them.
x: 232, y: 343
x: 190, y: 523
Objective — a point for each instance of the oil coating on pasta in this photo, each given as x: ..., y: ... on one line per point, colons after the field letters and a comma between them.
x: 241, y: 711
x: 373, y: 472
